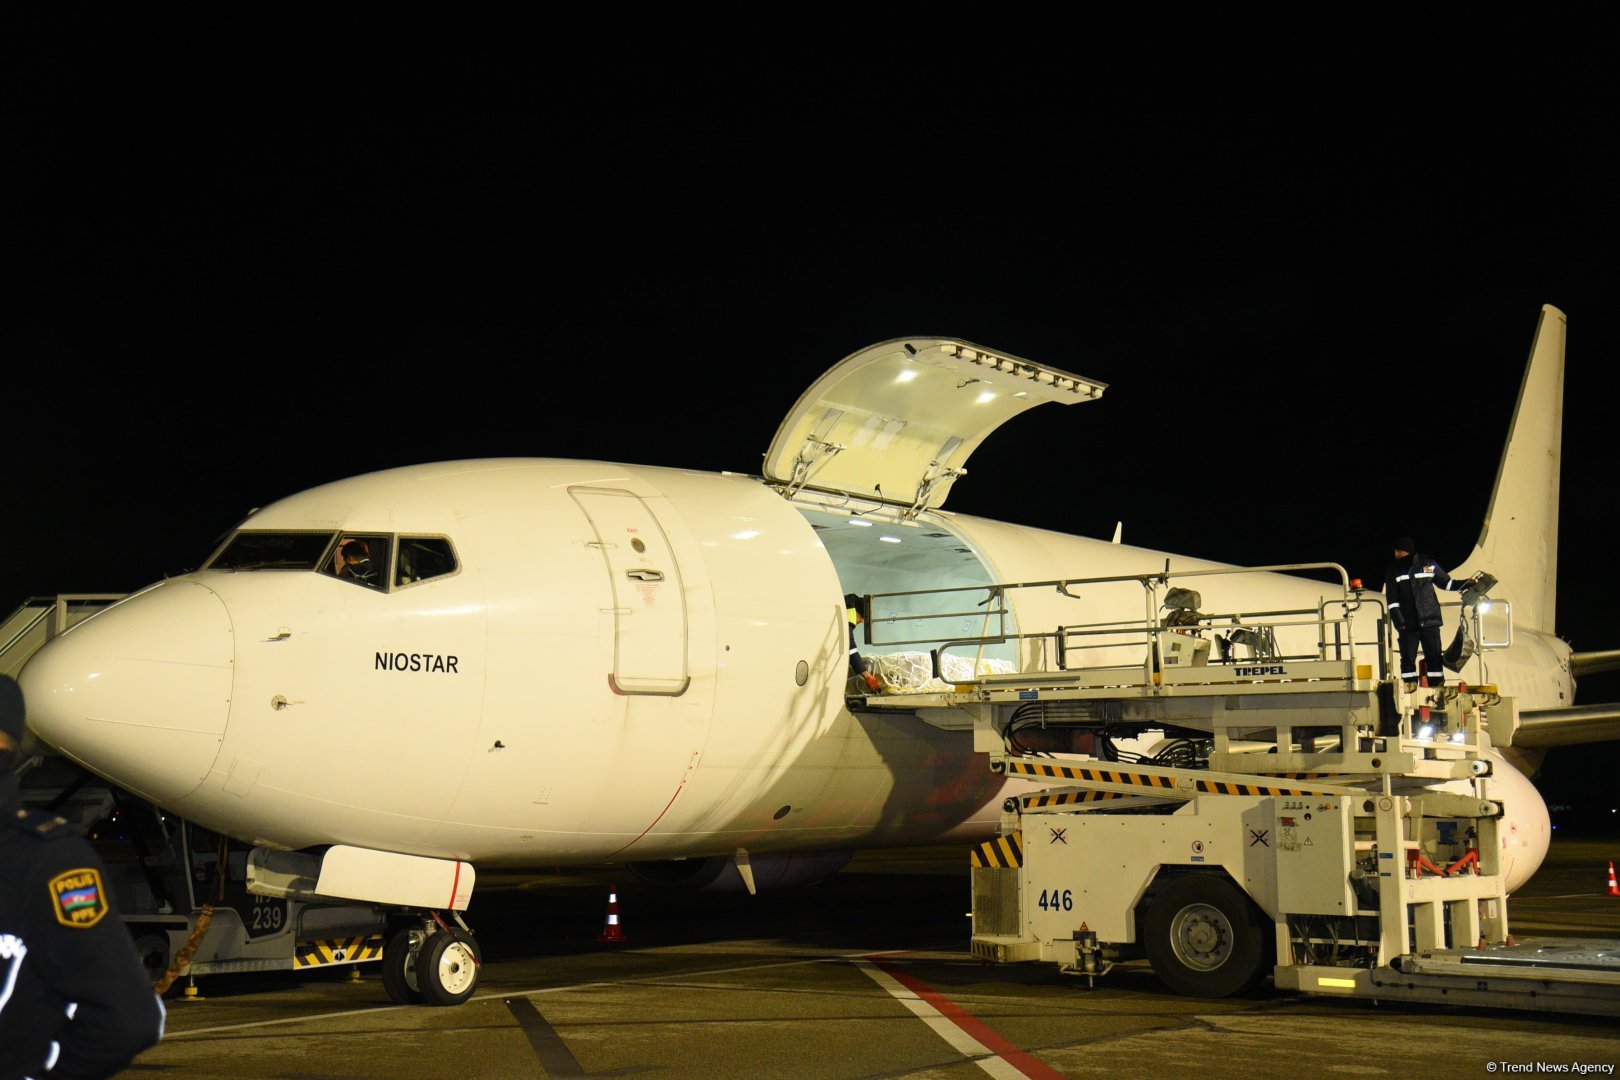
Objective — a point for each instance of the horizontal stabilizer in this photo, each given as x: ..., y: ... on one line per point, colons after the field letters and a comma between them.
x: 1570, y: 726
x: 1594, y: 663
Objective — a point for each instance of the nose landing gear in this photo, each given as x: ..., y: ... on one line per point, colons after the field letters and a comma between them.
x: 432, y: 963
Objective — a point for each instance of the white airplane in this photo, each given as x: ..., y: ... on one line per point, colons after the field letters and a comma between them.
x: 389, y: 680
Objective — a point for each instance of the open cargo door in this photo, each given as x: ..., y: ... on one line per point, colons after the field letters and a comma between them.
x: 897, y: 421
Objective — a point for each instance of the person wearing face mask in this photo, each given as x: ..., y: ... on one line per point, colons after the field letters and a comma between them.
x: 74, y: 999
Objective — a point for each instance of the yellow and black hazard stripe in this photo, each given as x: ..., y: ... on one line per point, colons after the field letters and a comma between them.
x: 1150, y: 781
x: 1069, y: 798
x: 338, y: 951
x: 1090, y: 773
x: 1002, y: 853
x: 1226, y: 787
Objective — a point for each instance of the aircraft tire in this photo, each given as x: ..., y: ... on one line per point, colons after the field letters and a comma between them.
x: 447, y: 969
x: 1205, y: 938
x: 399, y: 970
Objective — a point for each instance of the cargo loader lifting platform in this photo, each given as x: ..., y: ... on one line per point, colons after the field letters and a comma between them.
x: 1300, y: 816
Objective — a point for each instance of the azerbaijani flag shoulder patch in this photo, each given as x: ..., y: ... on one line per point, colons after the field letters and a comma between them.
x: 78, y: 898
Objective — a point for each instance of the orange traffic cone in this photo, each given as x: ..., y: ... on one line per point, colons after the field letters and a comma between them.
x: 611, y: 931
x: 1614, y: 890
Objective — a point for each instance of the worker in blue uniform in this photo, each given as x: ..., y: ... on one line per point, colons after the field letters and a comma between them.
x: 859, y: 666
x: 1414, y: 609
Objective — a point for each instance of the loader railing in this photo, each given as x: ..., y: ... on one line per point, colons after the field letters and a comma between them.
x: 1326, y: 631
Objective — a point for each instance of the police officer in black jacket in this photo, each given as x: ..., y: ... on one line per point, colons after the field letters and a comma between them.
x: 74, y: 999
x: 1415, y: 610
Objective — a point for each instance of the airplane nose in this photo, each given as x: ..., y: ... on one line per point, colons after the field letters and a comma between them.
x: 139, y: 693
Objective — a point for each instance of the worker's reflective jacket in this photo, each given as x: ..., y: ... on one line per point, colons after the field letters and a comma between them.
x: 1409, y: 591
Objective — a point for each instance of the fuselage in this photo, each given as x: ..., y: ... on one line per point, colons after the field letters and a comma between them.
x: 584, y: 662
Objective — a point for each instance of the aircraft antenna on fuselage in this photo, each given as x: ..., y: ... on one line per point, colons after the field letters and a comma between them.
x: 1518, y: 542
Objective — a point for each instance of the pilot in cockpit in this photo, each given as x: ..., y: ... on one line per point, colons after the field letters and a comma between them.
x: 354, y: 555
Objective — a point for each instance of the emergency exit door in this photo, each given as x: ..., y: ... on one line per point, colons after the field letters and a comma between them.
x: 649, y: 601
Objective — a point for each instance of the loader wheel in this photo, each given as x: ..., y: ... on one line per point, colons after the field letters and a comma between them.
x: 399, y: 968
x: 1205, y: 938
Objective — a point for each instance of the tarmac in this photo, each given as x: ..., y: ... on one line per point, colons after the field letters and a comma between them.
x: 864, y: 975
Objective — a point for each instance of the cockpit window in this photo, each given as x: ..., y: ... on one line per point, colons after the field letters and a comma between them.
x: 362, y: 558
x: 423, y: 557
x: 272, y: 551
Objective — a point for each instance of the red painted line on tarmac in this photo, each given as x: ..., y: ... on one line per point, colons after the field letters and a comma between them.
x: 1018, y: 1058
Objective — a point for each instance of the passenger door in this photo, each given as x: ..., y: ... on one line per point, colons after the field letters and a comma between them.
x: 649, y: 599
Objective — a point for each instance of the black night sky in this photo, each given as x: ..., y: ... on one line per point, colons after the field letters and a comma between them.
x: 246, y: 276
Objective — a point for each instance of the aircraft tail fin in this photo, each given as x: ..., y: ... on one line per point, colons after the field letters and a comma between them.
x: 1518, y: 542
